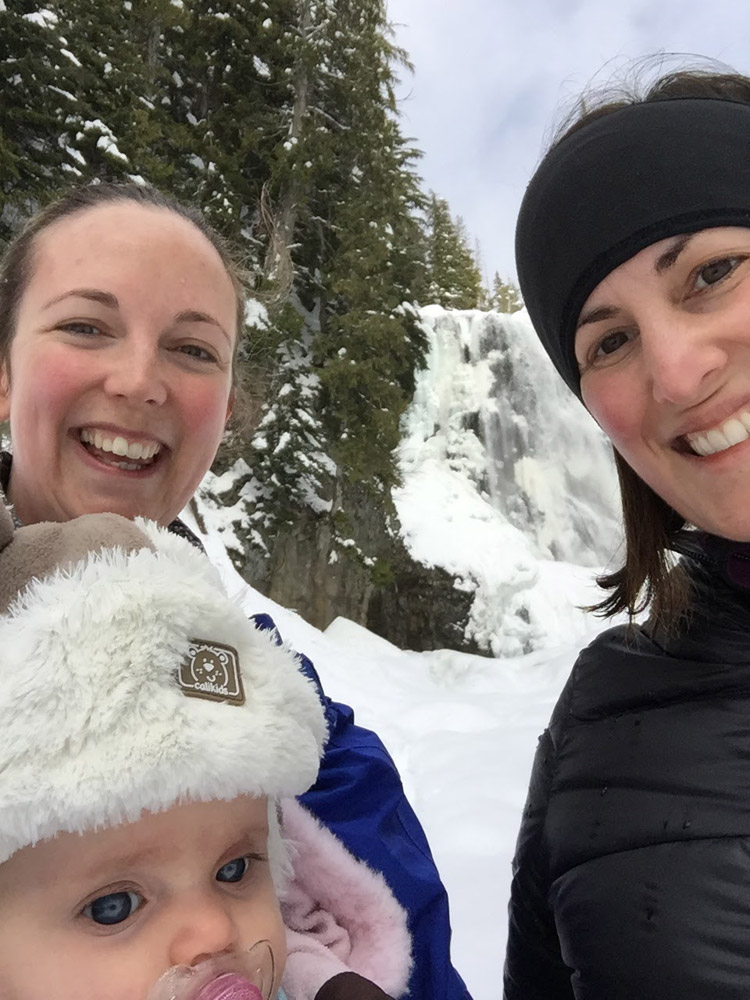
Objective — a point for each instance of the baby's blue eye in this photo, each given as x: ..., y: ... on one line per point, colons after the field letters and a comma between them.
x: 232, y: 871
x: 113, y: 908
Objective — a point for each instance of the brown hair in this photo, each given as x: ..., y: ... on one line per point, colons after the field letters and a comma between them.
x: 649, y: 576
x: 17, y: 264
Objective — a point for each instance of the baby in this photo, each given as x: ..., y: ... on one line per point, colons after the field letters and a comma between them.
x: 147, y: 734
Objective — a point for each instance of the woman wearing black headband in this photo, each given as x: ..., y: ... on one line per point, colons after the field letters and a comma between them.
x: 632, y: 870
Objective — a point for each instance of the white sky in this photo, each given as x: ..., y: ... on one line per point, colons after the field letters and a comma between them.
x: 492, y: 75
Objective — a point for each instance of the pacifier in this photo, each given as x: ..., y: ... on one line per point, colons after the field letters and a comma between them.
x: 247, y: 975
x: 230, y: 986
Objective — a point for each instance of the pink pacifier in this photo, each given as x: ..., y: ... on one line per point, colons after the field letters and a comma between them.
x: 230, y: 986
x: 248, y: 975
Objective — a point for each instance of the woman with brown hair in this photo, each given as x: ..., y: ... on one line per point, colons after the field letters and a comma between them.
x: 632, y: 868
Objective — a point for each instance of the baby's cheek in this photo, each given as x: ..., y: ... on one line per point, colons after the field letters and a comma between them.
x: 37, y: 977
x: 267, y: 924
x: 74, y: 966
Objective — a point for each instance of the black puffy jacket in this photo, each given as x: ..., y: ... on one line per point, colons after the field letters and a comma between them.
x: 632, y: 868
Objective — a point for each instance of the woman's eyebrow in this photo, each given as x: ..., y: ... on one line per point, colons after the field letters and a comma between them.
x: 194, y: 316
x: 595, y: 315
x: 93, y: 294
x: 669, y: 257
x: 662, y: 264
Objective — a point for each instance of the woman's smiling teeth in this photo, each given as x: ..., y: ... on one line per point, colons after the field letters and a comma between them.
x: 139, y: 455
x: 733, y: 431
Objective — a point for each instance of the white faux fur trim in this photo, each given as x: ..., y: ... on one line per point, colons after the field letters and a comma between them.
x: 93, y: 726
x: 340, y: 915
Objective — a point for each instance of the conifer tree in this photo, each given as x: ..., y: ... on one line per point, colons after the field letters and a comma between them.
x: 454, y: 279
x: 129, y: 131
x: 504, y: 296
x: 344, y: 184
x: 368, y: 346
x: 80, y: 101
x: 41, y: 116
x: 226, y: 83
x: 371, y: 344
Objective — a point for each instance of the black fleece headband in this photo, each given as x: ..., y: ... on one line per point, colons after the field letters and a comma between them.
x: 622, y: 182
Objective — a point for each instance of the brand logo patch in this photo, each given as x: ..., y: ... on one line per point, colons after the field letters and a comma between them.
x: 211, y: 670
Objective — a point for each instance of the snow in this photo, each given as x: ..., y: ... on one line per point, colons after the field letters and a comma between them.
x: 109, y: 145
x: 63, y: 93
x: 256, y: 314
x: 69, y: 55
x: 44, y: 18
x: 106, y: 141
x: 261, y: 68
x: 284, y: 440
x: 75, y: 154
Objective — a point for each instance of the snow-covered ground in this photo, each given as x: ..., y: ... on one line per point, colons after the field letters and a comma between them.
x: 462, y: 730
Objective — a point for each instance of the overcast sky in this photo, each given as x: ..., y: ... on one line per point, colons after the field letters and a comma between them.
x: 491, y: 78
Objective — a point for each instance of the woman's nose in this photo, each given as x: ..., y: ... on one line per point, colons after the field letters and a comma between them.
x: 204, y: 929
x: 136, y: 375
x: 682, y: 356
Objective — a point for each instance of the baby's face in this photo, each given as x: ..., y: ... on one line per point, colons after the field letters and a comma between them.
x: 102, y: 916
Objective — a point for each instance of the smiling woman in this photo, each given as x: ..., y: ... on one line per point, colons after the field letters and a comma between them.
x: 631, y: 870
x: 661, y: 344
x: 121, y: 314
x: 118, y: 377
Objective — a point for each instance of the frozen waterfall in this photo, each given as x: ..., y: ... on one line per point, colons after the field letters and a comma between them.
x: 493, y: 437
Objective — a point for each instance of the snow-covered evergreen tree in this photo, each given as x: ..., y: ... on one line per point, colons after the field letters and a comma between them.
x: 41, y: 115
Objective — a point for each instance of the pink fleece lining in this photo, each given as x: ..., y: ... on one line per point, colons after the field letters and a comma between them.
x: 340, y: 915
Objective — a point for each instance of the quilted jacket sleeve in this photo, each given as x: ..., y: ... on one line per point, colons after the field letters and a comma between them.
x: 534, y: 968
